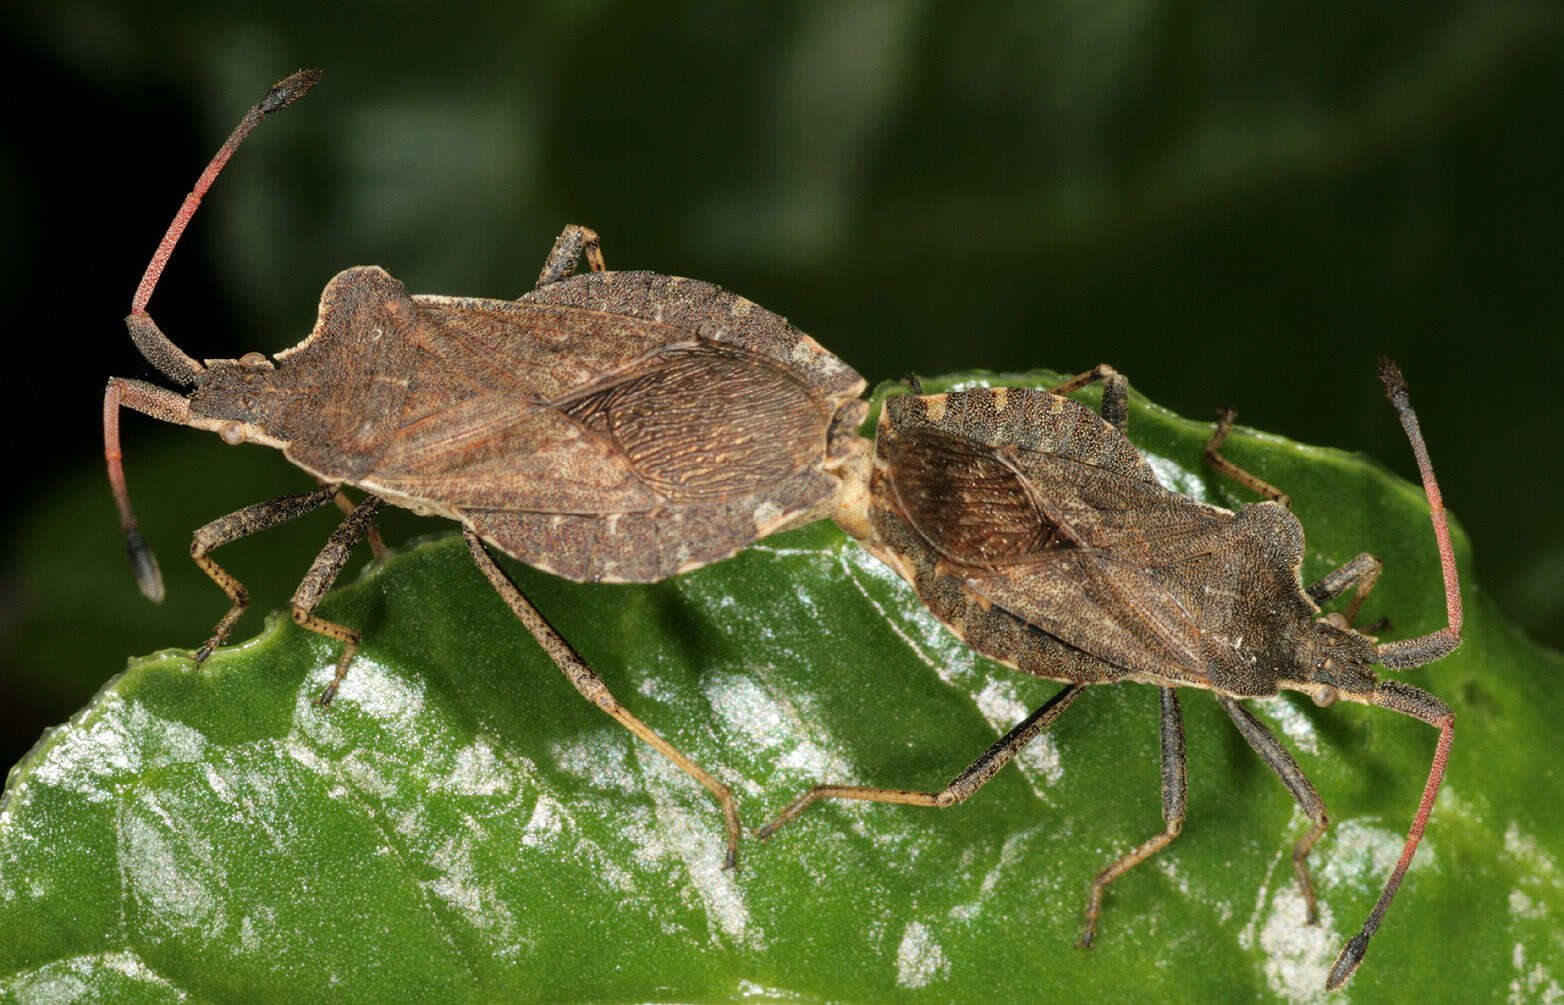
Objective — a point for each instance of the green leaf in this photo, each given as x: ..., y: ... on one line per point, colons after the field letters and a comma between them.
x: 461, y: 824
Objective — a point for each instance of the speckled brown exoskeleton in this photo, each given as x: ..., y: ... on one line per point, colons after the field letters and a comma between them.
x: 1033, y: 529
x: 607, y: 427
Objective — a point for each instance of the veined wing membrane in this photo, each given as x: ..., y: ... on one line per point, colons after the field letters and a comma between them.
x: 668, y: 423
x: 1061, y: 544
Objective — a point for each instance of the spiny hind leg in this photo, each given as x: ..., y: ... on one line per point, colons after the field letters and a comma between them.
x: 1273, y: 753
x: 591, y: 687
x: 1175, y: 793
x: 960, y: 788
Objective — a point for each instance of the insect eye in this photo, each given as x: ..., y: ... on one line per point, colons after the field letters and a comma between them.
x: 232, y: 433
x: 1325, y: 695
x: 252, y: 359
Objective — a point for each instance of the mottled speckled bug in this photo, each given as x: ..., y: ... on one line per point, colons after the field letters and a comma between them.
x: 1034, y: 530
x: 607, y: 427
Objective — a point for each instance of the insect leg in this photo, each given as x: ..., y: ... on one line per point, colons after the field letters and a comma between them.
x: 377, y: 544
x: 242, y: 523
x: 1214, y: 458
x: 323, y: 572
x: 963, y: 785
x: 573, y: 242
x: 1362, y: 571
x: 1175, y: 791
x: 1271, y: 750
x: 1115, y: 392
x: 591, y: 686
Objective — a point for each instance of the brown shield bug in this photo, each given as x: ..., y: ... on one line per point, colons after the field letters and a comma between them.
x: 608, y: 427
x: 1034, y: 530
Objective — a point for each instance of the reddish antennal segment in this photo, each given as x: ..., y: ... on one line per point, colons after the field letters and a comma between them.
x: 1416, y: 652
x: 283, y: 93
x: 1405, y: 654
x: 157, y: 348
x: 1410, y: 701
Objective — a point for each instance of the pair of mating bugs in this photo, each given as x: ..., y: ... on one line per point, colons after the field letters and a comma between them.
x: 629, y: 426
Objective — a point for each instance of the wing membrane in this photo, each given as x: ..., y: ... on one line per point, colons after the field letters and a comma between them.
x: 1079, y: 551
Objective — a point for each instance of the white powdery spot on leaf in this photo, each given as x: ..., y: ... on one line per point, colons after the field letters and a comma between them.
x: 256, y: 927
x: 254, y: 800
x: 1176, y: 477
x: 461, y: 884
x: 919, y: 959
x: 1522, y: 906
x: 767, y: 722
x: 749, y: 989
x: 1362, y: 856
x: 1534, y: 984
x: 1294, y: 724
x: 476, y: 771
x: 170, y: 868
x: 1533, y: 861
x: 1531, y: 920
x: 1010, y: 853
x: 395, y: 701
x: 362, y: 767
x: 656, y: 688
x: 130, y: 965
x: 121, y: 739
x: 1298, y: 955
x: 81, y: 978
x: 600, y: 757
x: 690, y: 830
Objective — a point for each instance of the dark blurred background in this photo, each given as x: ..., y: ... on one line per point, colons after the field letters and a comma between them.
x: 1235, y: 203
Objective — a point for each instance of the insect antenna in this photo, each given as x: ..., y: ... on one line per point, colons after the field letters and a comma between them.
x: 1408, y: 653
x: 1408, y: 700
x: 282, y: 94
x: 158, y: 349
x: 1405, y: 654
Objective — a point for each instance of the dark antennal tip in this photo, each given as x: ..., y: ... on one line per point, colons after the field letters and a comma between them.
x: 288, y: 90
x: 915, y: 384
x: 1390, y: 376
x: 1347, y: 962
x: 144, y: 564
